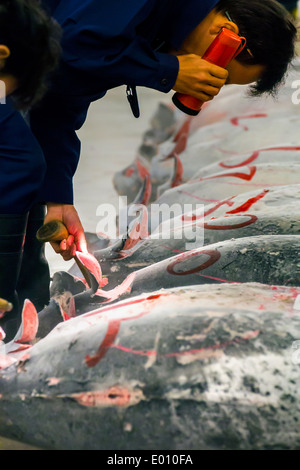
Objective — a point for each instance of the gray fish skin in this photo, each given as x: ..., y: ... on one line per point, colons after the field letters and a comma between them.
x: 272, y: 260
x: 154, y: 250
x: 271, y: 212
x: 201, y: 367
x: 266, y: 259
x: 224, y: 185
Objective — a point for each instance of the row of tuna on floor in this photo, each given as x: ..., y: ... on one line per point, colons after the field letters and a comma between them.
x: 167, y: 346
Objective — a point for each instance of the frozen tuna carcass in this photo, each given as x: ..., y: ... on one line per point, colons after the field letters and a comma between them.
x: 202, y: 367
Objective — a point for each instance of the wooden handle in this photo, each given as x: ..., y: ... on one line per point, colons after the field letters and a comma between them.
x: 54, y: 231
x: 5, y: 306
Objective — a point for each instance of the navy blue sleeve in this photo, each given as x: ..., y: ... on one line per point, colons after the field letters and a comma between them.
x: 55, y: 124
x: 22, y: 163
x: 110, y: 42
x: 102, y: 49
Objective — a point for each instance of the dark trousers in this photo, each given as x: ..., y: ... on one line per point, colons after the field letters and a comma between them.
x: 24, y: 271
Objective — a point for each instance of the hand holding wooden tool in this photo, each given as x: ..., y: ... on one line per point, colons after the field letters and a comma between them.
x: 57, y: 231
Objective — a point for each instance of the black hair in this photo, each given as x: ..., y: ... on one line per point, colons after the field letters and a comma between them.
x: 34, y: 42
x: 271, y: 39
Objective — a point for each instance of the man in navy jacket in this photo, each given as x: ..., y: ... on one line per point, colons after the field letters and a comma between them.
x: 151, y: 43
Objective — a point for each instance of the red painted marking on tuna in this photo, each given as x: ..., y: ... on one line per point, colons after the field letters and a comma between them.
x: 114, y: 327
x: 142, y: 170
x: 111, y: 334
x: 198, y: 274
x: 246, y: 162
x: 243, y: 176
x: 148, y: 191
x: 248, y: 204
x: 129, y: 171
x: 193, y: 218
x: 217, y: 279
x: 137, y: 352
x: 184, y: 131
x: 252, y: 220
x: 181, y: 144
x: 179, y: 172
x: 255, y: 155
x: 214, y: 256
x: 236, y: 340
x: 125, y: 304
x: 236, y: 120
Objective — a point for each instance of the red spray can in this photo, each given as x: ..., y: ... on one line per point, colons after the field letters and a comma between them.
x: 225, y: 47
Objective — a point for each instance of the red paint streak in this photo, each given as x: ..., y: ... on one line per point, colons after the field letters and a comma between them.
x: 249, y: 160
x: 148, y: 191
x: 217, y: 279
x: 114, y: 396
x: 236, y: 121
x: 193, y: 218
x: 142, y: 170
x: 111, y: 334
x: 202, y: 275
x: 129, y: 172
x: 181, y: 144
x: 252, y: 220
x: 179, y: 172
x: 243, y: 176
x: 114, y: 327
x: 177, y: 178
x: 137, y: 352
x: 125, y: 304
x: 214, y: 256
x: 256, y: 154
x: 172, y: 249
x: 236, y: 340
x: 248, y: 204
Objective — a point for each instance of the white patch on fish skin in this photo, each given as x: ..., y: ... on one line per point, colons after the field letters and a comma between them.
x: 152, y: 359
x: 297, y: 303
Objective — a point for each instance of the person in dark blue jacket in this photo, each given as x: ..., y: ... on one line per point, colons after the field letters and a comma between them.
x: 29, y: 50
x: 152, y: 43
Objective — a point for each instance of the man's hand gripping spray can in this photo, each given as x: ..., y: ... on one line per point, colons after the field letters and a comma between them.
x: 226, y: 46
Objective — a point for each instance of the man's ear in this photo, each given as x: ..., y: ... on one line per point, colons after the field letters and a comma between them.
x: 221, y: 21
x: 4, y: 54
